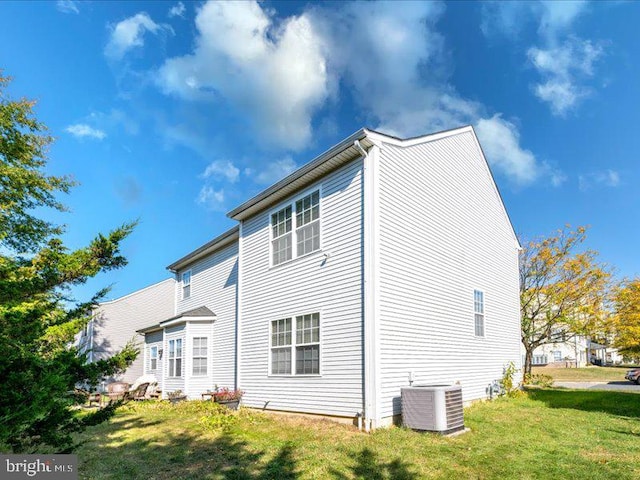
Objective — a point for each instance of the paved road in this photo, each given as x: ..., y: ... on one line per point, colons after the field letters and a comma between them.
x: 621, y: 386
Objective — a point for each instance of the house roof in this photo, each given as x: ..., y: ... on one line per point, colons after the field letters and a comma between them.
x: 201, y: 313
x: 333, y: 158
x: 342, y: 153
x: 211, y: 246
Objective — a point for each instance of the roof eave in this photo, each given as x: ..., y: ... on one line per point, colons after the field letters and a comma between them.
x: 297, y: 179
x: 217, y: 243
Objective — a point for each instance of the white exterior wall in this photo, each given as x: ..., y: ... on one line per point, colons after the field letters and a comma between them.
x: 198, y: 384
x: 443, y: 233
x: 115, y: 323
x: 171, y: 384
x: 154, y: 339
x: 214, y: 281
x: 307, y: 285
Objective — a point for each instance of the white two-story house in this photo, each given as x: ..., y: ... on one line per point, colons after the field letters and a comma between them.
x: 381, y: 262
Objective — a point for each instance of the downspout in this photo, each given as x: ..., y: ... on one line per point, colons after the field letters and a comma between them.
x: 370, y: 384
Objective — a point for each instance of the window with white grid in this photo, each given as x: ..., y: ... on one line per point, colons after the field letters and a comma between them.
x: 199, y: 356
x: 296, y: 224
x: 296, y: 352
x: 478, y: 308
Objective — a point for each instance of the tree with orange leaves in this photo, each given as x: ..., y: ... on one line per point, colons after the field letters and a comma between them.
x: 561, y: 289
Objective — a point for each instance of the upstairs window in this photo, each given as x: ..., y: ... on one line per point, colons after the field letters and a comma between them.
x: 153, y: 358
x: 281, y: 234
x: 175, y: 358
x: 478, y: 308
x: 186, y: 284
x: 302, y: 219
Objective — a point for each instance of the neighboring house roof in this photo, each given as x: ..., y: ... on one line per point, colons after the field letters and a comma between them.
x: 137, y: 292
x: 211, y: 246
x: 201, y: 313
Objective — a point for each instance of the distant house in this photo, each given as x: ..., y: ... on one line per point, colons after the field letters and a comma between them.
x: 115, y: 322
x: 573, y: 351
x: 382, y: 262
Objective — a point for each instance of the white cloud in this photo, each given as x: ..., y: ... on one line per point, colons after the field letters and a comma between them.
x: 563, y: 61
x: 561, y: 67
x: 177, y: 10
x: 211, y: 198
x: 274, y: 72
x: 389, y: 58
x: 275, y: 171
x: 607, y: 178
x: 407, y: 93
x: 82, y: 130
x: 501, y: 143
x: 129, y: 33
x: 67, y: 6
x: 223, y: 168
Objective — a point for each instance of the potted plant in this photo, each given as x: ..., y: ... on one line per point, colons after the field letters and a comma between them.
x: 229, y: 398
x: 176, y: 396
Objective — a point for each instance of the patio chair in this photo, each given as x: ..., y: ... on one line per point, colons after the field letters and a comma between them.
x: 139, y: 393
x: 117, y: 390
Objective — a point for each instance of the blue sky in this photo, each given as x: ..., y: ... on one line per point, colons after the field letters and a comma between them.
x: 175, y: 112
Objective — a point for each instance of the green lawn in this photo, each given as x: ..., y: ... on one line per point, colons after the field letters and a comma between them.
x: 587, y: 374
x: 543, y: 434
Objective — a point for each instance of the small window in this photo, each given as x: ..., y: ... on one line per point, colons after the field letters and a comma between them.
x: 153, y: 358
x: 308, y: 344
x: 557, y: 356
x: 175, y: 358
x: 281, y: 346
x: 186, y: 284
x: 308, y: 224
x: 296, y: 352
x: 281, y: 234
x: 200, y: 356
x: 478, y: 308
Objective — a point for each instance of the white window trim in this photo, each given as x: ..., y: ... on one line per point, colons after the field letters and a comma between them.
x: 484, y: 314
x: 151, y: 357
x: 181, y: 357
x: 294, y: 250
x: 193, y: 357
x: 182, y: 285
x: 293, y: 345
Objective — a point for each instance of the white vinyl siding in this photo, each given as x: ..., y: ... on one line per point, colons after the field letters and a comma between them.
x: 478, y: 312
x: 175, y: 358
x: 186, y: 284
x: 311, y: 283
x: 219, y: 273
x: 154, y: 340
x: 300, y: 219
x: 199, y: 351
x: 460, y: 240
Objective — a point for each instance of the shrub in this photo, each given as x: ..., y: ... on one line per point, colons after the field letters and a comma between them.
x: 540, y: 379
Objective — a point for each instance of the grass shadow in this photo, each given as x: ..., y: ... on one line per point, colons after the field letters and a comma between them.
x: 606, y: 401
x: 368, y: 466
x: 184, y: 455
